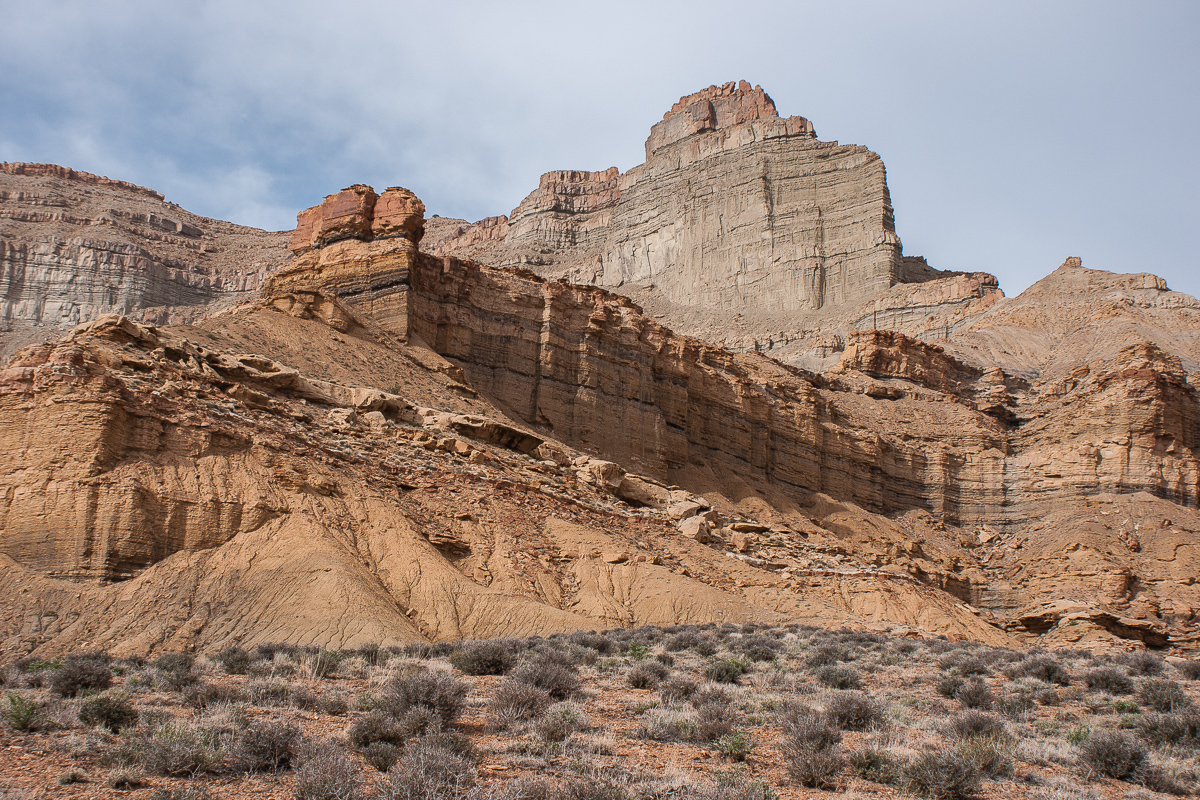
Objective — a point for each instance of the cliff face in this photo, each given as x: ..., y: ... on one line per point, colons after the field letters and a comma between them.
x: 734, y: 208
x: 460, y: 450
x: 75, y: 245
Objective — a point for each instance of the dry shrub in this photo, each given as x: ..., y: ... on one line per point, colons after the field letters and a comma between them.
x: 853, y: 711
x: 441, y: 693
x: 427, y: 771
x: 974, y: 694
x: 82, y: 673
x: 839, y: 677
x: 266, y: 747
x: 677, y: 689
x: 875, y: 764
x: 991, y: 755
x: 971, y: 724
x: 110, y: 709
x: 325, y: 773
x: 548, y: 671
x: 514, y: 701
x: 940, y: 776
x: 1042, y: 667
x: 1114, y: 754
x: 1108, y: 679
x: 1163, y: 694
x: 483, y: 658
x: 725, y: 670
x: 560, y: 721
x: 1142, y: 663
x: 646, y: 675
x: 180, y: 749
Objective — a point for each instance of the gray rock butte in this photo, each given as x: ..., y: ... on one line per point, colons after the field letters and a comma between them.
x: 736, y: 209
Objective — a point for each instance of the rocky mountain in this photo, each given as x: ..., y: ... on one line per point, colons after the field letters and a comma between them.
x: 741, y: 228
x: 74, y: 246
x: 390, y: 443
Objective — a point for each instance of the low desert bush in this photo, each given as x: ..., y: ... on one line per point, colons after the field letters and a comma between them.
x: 1190, y: 670
x: 483, y: 658
x: 853, y: 711
x: 646, y: 675
x: 759, y: 647
x: 974, y: 694
x: 1043, y: 668
x: 175, y: 671
x: 549, y: 672
x: 265, y: 747
x: 441, y: 693
x: 875, y: 764
x: 180, y: 749
x: 825, y: 655
x: 377, y: 726
x: 940, y: 776
x: 427, y: 771
x: 110, y: 709
x: 20, y: 712
x: 735, y: 745
x: 948, y: 685
x: 1142, y: 663
x: 81, y: 674
x: 817, y: 767
x: 714, y: 720
x: 972, y: 724
x: 380, y: 755
x: 1163, y: 694
x: 1177, y: 728
x: 677, y: 689
x: 725, y: 670
x: 234, y: 660
x: 325, y: 772
x: 991, y: 755
x: 560, y: 721
x: 514, y: 701
x: 807, y: 728
x: 839, y: 677
x: 1114, y: 754
x: 1108, y: 679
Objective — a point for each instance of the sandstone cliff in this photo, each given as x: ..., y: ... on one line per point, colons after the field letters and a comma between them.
x: 741, y: 227
x: 75, y: 245
x: 424, y: 447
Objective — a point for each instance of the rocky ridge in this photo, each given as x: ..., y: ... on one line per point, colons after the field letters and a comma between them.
x: 74, y: 246
x: 428, y: 448
x: 741, y: 227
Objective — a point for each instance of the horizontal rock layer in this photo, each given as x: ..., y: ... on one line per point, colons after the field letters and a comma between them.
x: 74, y: 246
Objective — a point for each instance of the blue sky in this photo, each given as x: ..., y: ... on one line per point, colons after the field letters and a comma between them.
x: 1015, y: 133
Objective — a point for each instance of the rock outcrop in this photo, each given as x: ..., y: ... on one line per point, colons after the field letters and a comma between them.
x: 428, y: 448
x: 734, y: 208
x: 74, y: 246
x: 741, y: 227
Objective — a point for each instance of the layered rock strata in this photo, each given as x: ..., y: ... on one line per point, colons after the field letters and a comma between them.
x: 74, y: 246
x: 203, y: 491
x: 734, y: 208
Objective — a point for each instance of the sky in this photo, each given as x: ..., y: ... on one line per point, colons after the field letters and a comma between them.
x: 1015, y: 134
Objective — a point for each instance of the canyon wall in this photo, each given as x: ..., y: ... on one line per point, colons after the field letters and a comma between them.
x: 735, y: 207
x: 74, y: 246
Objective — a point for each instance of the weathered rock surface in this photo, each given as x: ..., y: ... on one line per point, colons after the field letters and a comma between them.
x: 424, y: 447
x: 202, y: 493
x: 741, y: 228
x: 74, y: 246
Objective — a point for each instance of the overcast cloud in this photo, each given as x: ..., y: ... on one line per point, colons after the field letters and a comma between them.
x: 1014, y: 133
